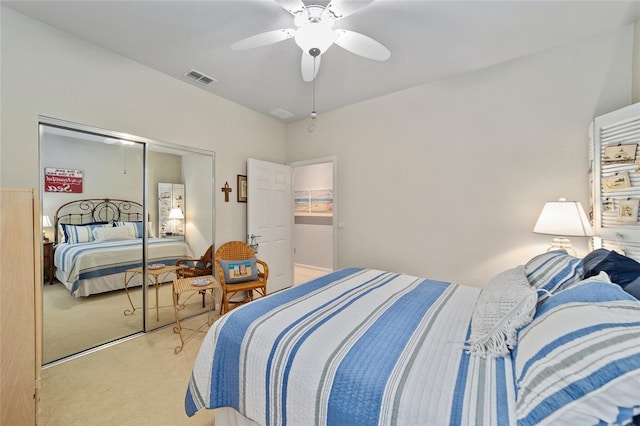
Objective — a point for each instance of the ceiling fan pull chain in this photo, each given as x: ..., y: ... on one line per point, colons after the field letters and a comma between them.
x: 312, y: 126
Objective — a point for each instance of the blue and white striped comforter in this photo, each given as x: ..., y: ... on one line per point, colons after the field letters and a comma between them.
x: 356, y: 347
x: 96, y: 259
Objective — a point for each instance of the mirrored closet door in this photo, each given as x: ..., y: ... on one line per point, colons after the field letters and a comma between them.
x: 109, y: 226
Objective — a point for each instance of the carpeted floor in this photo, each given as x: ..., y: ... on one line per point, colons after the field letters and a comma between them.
x: 139, y: 381
x: 72, y: 325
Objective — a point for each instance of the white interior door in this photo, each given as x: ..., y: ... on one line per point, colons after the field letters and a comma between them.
x: 270, y: 219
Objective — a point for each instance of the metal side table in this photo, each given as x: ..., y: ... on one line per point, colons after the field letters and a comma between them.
x: 195, y: 284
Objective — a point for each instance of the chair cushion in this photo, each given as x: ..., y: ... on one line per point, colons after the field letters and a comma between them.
x: 238, y: 271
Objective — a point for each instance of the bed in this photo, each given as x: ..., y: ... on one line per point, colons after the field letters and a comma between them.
x: 97, y: 240
x: 542, y: 343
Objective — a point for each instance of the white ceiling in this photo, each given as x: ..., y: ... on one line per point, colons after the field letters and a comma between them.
x: 428, y: 40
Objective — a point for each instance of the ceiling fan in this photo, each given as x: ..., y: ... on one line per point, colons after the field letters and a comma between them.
x: 314, y: 34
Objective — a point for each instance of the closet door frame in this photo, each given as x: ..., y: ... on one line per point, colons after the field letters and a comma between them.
x: 204, y: 156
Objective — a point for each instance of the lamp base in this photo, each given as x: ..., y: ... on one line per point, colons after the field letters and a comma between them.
x: 562, y: 243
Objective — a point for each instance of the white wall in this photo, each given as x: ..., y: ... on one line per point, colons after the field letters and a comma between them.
x: 102, y: 166
x: 48, y: 72
x: 446, y: 180
x: 196, y: 171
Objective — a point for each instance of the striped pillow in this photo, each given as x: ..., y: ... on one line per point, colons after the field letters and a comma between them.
x: 135, y: 228
x: 75, y: 234
x: 578, y: 361
x: 551, y: 271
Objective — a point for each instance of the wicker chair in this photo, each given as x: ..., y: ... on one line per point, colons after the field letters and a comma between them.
x: 190, y: 268
x: 237, y: 251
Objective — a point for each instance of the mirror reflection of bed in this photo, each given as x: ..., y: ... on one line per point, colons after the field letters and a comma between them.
x: 87, y: 305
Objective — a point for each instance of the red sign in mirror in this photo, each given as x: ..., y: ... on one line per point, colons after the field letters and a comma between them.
x: 62, y: 180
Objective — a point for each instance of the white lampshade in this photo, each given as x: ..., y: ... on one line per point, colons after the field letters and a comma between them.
x: 563, y: 218
x: 176, y: 214
x: 46, y: 222
x: 566, y: 218
x: 318, y: 35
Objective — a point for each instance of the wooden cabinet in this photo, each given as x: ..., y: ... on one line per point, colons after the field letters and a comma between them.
x: 47, y: 261
x: 20, y: 299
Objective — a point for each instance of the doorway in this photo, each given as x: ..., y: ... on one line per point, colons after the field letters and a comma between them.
x: 315, y: 208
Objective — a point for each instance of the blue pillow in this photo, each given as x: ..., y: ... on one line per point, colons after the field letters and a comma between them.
x: 622, y: 270
x: 238, y: 271
x: 591, y: 260
x: 633, y: 288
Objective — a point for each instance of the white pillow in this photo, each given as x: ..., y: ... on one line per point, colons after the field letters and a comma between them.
x: 507, y: 304
x: 113, y: 233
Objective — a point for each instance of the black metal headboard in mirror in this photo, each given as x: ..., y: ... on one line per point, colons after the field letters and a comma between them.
x: 86, y: 211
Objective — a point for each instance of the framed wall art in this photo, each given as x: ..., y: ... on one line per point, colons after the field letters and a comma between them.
x: 615, y: 182
x: 628, y: 211
x: 62, y: 180
x: 620, y: 154
x: 313, y: 202
x: 242, y: 189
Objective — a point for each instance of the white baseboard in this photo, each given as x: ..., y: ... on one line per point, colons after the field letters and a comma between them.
x: 316, y: 268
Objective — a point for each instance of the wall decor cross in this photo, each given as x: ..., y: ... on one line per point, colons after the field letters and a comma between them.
x: 226, y: 189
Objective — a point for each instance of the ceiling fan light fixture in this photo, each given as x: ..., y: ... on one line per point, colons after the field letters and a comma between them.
x: 315, y: 35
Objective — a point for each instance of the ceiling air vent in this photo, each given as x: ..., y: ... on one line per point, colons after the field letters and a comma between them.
x: 200, y: 77
x: 281, y: 113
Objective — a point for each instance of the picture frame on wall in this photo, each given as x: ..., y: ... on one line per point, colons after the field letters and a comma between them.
x: 63, y: 180
x: 628, y: 211
x: 620, y: 154
x: 615, y: 182
x: 313, y: 202
x: 242, y: 189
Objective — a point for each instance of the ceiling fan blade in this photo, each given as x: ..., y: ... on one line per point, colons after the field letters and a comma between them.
x: 263, y: 39
x: 339, y: 9
x: 292, y: 6
x: 362, y: 45
x: 309, y: 71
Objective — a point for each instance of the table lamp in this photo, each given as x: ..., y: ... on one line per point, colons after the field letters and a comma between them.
x: 46, y: 223
x: 173, y: 215
x: 563, y: 219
